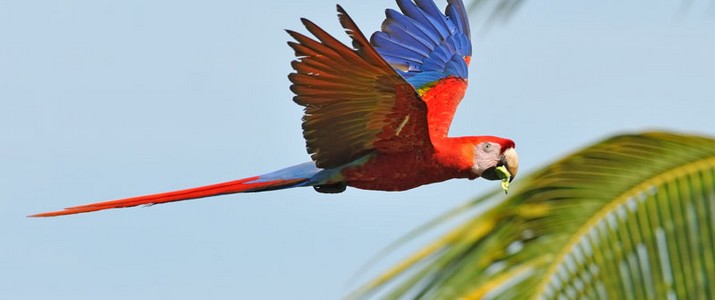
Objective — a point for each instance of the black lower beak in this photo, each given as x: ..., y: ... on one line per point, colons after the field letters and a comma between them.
x: 491, y: 173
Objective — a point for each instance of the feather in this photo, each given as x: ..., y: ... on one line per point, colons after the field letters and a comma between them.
x: 422, y: 39
x: 298, y: 175
x: 354, y: 100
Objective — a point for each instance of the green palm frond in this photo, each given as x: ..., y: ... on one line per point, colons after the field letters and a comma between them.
x: 631, y: 217
x: 494, y: 10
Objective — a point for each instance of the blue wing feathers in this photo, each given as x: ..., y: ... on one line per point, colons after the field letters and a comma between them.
x: 405, y: 51
x: 423, y: 79
x: 456, y: 11
x: 418, y: 18
x: 424, y: 44
x: 456, y: 66
x: 404, y: 27
x: 435, y: 17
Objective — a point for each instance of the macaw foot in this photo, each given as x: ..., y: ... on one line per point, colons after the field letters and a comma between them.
x: 331, y: 188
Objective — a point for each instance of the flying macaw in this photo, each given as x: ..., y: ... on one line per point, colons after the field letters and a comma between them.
x: 377, y: 114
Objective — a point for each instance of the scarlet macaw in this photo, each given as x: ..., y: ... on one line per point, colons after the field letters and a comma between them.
x: 377, y: 114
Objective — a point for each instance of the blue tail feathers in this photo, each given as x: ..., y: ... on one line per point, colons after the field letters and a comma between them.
x: 313, y: 176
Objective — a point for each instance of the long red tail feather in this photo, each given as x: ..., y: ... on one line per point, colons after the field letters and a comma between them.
x: 230, y: 187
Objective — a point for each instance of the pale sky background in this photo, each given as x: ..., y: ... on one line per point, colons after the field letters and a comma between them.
x: 107, y: 99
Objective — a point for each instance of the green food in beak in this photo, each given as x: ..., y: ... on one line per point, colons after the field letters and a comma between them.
x: 504, y: 176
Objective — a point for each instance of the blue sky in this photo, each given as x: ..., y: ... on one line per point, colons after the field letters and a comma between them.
x: 103, y: 99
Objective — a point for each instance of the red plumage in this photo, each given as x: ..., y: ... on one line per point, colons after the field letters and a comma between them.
x: 377, y: 114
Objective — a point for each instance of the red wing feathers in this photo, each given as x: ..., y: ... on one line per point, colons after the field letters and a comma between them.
x: 355, y: 103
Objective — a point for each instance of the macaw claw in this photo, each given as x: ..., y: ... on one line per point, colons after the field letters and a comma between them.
x: 504, y: 176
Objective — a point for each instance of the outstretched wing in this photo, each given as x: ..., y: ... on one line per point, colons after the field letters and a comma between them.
x: 355, y: 102
x: 431, y: 50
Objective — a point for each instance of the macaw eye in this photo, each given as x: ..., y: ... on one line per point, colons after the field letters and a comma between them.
x: 487, y: 147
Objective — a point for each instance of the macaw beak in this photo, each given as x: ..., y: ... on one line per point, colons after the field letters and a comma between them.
x: 508, y: 159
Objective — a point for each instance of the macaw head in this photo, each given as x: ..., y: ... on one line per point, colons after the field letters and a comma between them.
x: 494, y: 152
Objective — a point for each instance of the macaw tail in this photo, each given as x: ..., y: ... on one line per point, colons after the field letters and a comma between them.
x: 299, y: 175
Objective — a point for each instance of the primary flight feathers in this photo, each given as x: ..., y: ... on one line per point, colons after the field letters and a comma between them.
x: 424, y: 44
